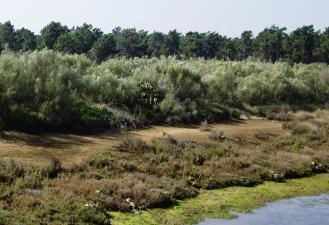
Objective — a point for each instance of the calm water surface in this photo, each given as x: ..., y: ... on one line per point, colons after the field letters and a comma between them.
x: 295, y: 211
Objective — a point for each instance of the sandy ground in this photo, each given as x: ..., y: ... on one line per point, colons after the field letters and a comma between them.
x: 71, y: 148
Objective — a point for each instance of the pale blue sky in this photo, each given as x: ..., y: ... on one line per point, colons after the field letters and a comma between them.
x: 228, y: 17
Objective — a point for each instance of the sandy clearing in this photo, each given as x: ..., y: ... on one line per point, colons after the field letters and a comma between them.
x: 245, y: 130
x: 71, y: 148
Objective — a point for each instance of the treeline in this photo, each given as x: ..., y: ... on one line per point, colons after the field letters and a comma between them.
x: 50, y: 90
x: 303, y: 45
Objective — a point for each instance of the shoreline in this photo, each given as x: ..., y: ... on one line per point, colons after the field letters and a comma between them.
x: 219, y: 203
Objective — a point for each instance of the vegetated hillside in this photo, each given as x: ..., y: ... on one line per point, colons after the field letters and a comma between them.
x: 46, y: 90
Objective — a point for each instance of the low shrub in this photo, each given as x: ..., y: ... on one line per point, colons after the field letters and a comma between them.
x: 216, y: 135
x: 53, y: 169
x: 307, y: 122
x: 69, y: 211
x: 31, y: 181
x: 134, y: 145
x: 109, y: 165
x: 280, y: 116
x: 216, y: 112
x: 92, y: 116
x: 298, y: 127
x: 222, y: 150
x: 10, y: 171
x: 140, y: 191
x: 101, y: 160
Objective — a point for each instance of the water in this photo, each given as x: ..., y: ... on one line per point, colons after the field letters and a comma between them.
x: 296, y: 211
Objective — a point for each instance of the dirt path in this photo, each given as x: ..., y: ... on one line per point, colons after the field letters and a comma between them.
x: 71, y: 148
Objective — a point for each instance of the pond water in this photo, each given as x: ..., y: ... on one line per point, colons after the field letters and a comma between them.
x: 295, y: 211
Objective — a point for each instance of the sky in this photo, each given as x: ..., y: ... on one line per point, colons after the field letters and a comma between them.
x: 227, y: 17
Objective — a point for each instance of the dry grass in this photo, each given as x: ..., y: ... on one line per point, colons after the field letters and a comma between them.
x: 71, y: 149
x: 307, y: 122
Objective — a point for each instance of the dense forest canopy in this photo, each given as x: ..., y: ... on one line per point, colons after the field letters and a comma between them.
x: 303, y: 45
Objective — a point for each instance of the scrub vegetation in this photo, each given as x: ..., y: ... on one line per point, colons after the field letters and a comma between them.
x: 47, y: 90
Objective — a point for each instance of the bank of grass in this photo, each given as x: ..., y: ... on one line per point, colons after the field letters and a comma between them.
x: 219, y: 203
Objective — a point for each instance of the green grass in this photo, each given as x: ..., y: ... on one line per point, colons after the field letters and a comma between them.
x: 219, y: 203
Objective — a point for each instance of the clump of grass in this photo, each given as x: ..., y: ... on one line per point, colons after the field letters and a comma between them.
x: 303, y: 115
x: 101, y: 160
x: 10, y: 171
x: 6, y: 194
x: 292, y: 143
x: 216, y: 135
x: 125, y: 120
x: 53, y: 168
x: 31, y: 181
x: 168, y: 139
x: 107, y: 164
x: 265, y: 136
x: 302, y: 127
x: 134, y: 145
x: 69, y: 211
x: 199, y: 160
x: 307, y: 122
x: 205, y: 126
x: 222, y: 150
x: 276, y: 112
x: 280, y: 116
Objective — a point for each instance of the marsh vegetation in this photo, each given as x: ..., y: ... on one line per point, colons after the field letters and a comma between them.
x: 158, y: 172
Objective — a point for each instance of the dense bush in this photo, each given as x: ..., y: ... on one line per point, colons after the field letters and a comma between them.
x: 45, y: 89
